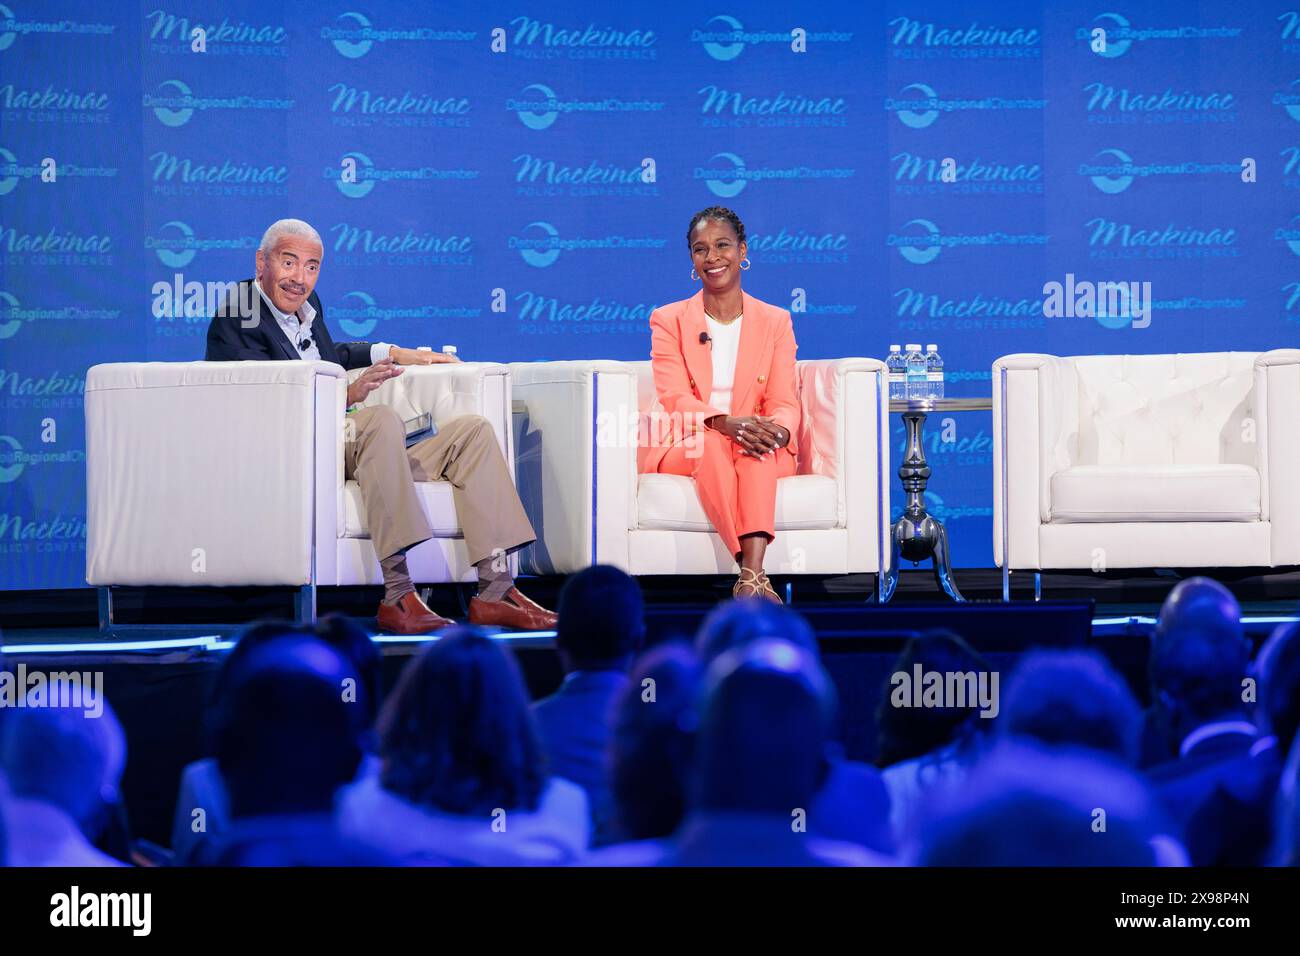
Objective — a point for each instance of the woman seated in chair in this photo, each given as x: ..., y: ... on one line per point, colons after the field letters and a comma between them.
x: 726, y: 412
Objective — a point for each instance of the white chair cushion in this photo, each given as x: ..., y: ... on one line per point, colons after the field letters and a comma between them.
x: 435, y: 497
x: 1143, y: 493
x: 670, y: 502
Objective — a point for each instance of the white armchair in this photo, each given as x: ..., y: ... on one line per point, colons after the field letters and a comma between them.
x: 231, y: 473
x: 1141, y: 461
x: 576, y: 427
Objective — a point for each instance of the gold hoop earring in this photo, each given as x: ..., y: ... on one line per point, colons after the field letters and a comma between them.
x: 745, y: 264
x: 695, y: 276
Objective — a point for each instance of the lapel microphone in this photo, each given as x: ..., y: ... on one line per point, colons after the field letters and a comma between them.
x: 706, y: 339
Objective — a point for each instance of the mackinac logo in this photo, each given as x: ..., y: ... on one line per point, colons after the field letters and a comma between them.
x: 543, y: 313
x: 930, y: 311
x: 539, y: 40
x: 358, y: 246
x: 920, y: 241
x: 175, y: 175
x: 1110, y: 104
x: 919, y: 39
x: 1291, y: 168
x: 18, y: 389
x: 726, y: 174
x: 1112, y: 239
x: 915, y: 174
x: 51, y: 248
x: 799, y: 247
x: 172, y: 33
x: 54, y: 106
x: 919, y: 105
x: 1290, y: 21
x: 540, y: 243
x: 736, y: 108
x: 356, y: 106
x: 353, y: 35
x: 1118, y: 35
x: 724, y: 37
x: 538, y: 176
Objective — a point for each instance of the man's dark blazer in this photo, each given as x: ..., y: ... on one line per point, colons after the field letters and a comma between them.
x: 238, y: 332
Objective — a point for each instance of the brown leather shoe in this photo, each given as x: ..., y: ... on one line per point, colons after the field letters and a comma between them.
x: 513, y: 611
x: 410, y: 615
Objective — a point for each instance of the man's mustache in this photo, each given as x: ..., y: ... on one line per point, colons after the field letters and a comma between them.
x: 293, y: 287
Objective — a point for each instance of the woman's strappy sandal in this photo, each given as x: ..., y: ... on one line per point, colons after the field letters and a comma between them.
x: 754, y: 584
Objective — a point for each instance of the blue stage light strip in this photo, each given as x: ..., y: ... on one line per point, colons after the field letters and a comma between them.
x: 217, y: 642
x: 173, y: 644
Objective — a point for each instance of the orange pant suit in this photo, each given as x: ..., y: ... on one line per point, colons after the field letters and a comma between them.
x: 738, y: 492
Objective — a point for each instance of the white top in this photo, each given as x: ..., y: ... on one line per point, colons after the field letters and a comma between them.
x: 725, y: 346
x: 555, y: 834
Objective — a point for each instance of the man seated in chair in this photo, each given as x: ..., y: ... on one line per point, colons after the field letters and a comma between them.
x: 278, y: 316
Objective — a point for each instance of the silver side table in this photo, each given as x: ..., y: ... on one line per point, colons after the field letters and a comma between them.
x: 918, y: 535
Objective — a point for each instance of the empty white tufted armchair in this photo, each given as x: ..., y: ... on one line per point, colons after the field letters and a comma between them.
x: 1142, y: 461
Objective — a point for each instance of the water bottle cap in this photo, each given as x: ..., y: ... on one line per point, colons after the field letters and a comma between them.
x: 914, y: 348
x: 932, y: 348
x: 895, y: 348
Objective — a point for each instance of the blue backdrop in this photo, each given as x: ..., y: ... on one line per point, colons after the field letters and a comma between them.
x: 516, y: 179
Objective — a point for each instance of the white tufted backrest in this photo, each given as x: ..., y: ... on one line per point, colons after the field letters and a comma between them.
x: 1194, y: 409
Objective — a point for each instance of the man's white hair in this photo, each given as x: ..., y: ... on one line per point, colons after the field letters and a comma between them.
x: 288, y: 227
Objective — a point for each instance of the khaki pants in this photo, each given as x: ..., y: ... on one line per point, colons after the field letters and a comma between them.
x: 464, y: 452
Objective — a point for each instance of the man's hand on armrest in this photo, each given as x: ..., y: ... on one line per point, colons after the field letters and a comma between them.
x: 371, y: 379
x: 416, y: 357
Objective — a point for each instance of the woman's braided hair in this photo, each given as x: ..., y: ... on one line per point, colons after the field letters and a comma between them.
x: 719, y: 214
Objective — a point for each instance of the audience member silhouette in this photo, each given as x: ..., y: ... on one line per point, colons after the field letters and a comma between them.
x: 1218, y: 788
x: 919, y: 747
x: 288, y: 734
x: 852, y: 803
x: 1071, y: 698
x: 64, y: 771
x: 601, y: 627
x: 463, y: 774
x: 1027, y: 805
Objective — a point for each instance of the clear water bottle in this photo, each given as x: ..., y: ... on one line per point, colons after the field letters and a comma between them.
x: 916, y: 381
x: 933, y: 371
x: 897, y: 373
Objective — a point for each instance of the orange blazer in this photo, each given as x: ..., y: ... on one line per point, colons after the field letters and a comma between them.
x: 683, y: 373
